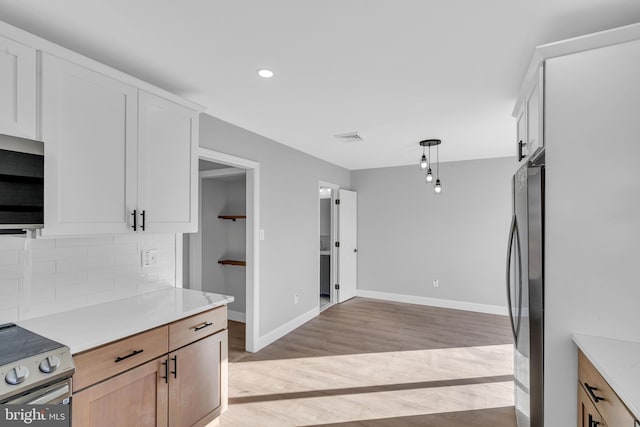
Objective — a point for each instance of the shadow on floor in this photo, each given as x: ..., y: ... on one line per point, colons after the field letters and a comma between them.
x: 373, y: 326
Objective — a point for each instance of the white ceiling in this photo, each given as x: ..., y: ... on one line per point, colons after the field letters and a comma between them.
x: 396, y: 71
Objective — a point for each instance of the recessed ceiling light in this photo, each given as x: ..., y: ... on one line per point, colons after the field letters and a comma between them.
x: 265, y: 73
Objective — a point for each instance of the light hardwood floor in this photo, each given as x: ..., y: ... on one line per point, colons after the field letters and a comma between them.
x: 376, y: 363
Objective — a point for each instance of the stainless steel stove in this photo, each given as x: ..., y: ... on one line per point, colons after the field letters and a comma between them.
x: 33, y: 369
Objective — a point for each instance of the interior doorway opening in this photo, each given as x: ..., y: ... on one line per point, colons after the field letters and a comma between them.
x: 222, y: 257
x: 327, y: 241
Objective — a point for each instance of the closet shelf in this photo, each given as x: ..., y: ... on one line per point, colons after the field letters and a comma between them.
x: 232, y: 262
x: 232, y: 217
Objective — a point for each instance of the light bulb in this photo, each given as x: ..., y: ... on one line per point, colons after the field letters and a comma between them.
x: 437, y: 188
x: 423, y: 162
x: 429, y: 175
x: 265, y: 73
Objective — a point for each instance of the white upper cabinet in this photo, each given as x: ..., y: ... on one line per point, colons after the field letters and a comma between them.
x: 529, y: 116
x: 89, y: 126
x: 168, y: 168
x: 17, y: 89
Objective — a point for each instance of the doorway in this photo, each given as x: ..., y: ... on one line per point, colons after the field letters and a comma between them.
x: 327, y: 239
x: 223, y: 257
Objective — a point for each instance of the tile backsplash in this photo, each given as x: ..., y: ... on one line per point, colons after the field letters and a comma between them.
x: 44, y: 276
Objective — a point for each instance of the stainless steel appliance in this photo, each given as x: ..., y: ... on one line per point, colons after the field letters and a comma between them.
x: 33, y: 369
x: 525, y: 290
x: 21, y: 184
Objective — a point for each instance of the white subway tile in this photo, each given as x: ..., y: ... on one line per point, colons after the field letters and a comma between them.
x: 58, y: 279
x: 11, y: 271
x: 43, y: 295
x: 9, y: 257
x: 41, y: 268
x: 42, y: 243
x: 54, y: 254
x: 111, y: 272
x: 11, y: 243
x: 8, y: 315
x: 120, y: 249
x: 88, y: 288
x: 84, y: 241
x: 9, y: 287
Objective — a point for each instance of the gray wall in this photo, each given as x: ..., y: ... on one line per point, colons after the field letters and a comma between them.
x: 592, y: 123
x: 289, y: 261
x: 214, y: 236
x: 408, y: 236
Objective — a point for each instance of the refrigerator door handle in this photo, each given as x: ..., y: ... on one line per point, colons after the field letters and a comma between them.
x: 512, y: 231
x: 514, y: 234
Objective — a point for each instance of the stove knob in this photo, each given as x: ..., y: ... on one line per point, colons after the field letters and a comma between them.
x: 17, y: 375
x: 50, y: 364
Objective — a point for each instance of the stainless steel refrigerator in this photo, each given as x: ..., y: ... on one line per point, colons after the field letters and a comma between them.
x: 525, y: 289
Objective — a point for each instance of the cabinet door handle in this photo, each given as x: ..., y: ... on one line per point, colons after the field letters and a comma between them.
x: 591, y: 390
x: 144, y: 219
x: 520, y: 150
x: 133, y: 353
x: 592, y: 422
x: 204, y: 325
x: 175, y: 366
x: 135, y: 220
x: 166, y: 371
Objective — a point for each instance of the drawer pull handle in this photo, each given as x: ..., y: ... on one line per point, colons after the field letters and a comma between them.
x: 204, y: 325
x: 175, y: 366
x: 134, y: 353
x: 166, y: 371
x: 591, y: 390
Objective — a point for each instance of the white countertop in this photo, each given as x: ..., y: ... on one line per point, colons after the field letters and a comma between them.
x: 92, y: 326
x: 619, y: 363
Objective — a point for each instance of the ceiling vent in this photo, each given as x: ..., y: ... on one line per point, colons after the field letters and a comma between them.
x: 349, y: 137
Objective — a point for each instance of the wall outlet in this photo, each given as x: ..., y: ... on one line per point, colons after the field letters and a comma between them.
x: 436, y: 283
x: 296, y: 298
x: 149, y: 257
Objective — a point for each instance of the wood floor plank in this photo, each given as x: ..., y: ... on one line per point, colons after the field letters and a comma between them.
x: 375, y: 363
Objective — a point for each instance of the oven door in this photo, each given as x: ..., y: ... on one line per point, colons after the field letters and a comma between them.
x: 59, y: 392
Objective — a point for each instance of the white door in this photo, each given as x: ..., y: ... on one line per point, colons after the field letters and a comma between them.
x: 168, y: 165
x: 348, y: 249
x: 89, y: 124
x: 17, y: 89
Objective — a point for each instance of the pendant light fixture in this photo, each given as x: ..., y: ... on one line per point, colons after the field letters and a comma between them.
x: 424, y: 162
x: 437, y: 188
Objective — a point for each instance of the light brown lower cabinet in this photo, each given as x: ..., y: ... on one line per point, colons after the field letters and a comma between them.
x: 598, y: 403
x: 137, y: 397
x: 185, y: 387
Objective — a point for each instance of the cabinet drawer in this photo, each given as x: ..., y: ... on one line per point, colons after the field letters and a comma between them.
x: 95, y: 365
x: 587, y: 413
x: 193, y: 328
x: 613, y: 411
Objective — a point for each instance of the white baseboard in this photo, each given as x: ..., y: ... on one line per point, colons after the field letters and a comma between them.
x: 434, y: 302
x: 283, y: 330
x: 237, y: 316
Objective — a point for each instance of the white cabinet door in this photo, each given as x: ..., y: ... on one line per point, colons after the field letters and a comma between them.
x: 89, y: 124
x: 17, y: 89
x: 348, y: 250
x: 521, y: 147
x: 168, y: 168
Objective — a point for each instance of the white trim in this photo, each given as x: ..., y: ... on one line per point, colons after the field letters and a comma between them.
x: 236, y: 316
x: 434, y: 302
x: 252, y: 308
x: 179, y: 257
x: 283, y: 330
x: 332, y: 242
x: 217, y: 173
